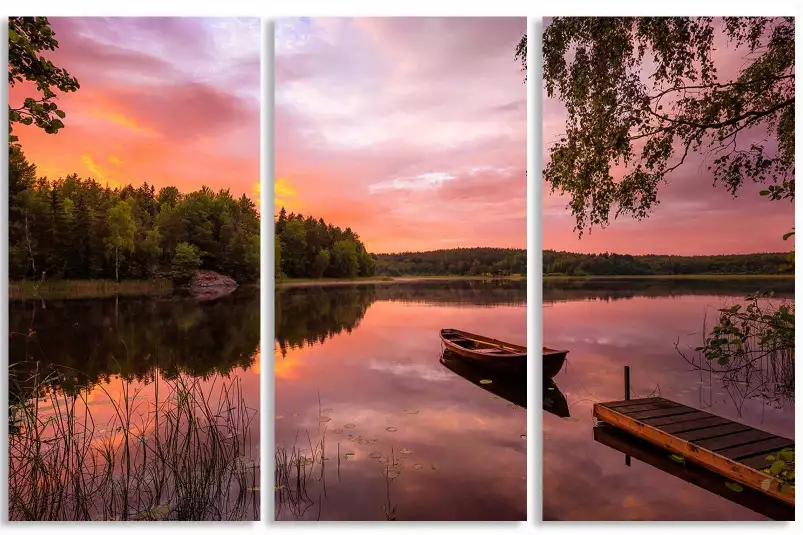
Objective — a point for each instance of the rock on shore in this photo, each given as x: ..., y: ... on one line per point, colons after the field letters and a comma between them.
x: 211, y: 285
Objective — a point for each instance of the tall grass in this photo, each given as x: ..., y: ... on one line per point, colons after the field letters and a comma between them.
x: 86, y: 289
x: 182, y: 454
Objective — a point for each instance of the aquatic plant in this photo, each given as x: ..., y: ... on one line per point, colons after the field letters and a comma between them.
x: 752, y: 349
x: 182, y: 455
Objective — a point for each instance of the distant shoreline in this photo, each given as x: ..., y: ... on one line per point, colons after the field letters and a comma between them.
x: 291, y: 283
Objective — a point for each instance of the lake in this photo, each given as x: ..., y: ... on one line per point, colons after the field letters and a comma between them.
x: 370, y: 425
x: 607, y: 324
x: 135, y: 408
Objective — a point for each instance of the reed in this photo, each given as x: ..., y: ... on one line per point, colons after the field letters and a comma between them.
x: 183, y: 454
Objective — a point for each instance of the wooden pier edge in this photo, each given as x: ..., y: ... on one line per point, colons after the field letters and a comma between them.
x: 709, y: 459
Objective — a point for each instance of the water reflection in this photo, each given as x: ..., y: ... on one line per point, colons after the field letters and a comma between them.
x: 610, y: 324
x: 371, y: 426
x: 135, y: 409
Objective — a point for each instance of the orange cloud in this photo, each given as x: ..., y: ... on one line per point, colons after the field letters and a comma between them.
x: 93, y: 167
x: 115, y: 160
x: 282, y: 191
x: 127, y: 122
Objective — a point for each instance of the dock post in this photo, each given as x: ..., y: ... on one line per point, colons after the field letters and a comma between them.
x: 627, y: 398
x: 627, y: 383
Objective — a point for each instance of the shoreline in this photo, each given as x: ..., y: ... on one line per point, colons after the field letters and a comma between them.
x: 294, y: 283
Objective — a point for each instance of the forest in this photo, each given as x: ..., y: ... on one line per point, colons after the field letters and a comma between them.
x: 564, y: 263
x: 76, y: 228
x: 458, y: 262
x: 311, y: 248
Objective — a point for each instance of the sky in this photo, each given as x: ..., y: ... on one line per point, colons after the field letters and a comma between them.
x: 693, y: 217
x: 168, y: 101
x: 411, y: 131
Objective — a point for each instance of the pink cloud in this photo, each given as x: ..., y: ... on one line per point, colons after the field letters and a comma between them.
x: 371, y: 114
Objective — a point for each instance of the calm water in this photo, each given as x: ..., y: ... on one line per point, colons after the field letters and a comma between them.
x: 607, y: 325
x: 358, y: 372
x: 169, y: 384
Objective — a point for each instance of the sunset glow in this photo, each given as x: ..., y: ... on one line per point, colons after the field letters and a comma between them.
x: 167, y: 101
x: 411, y: 131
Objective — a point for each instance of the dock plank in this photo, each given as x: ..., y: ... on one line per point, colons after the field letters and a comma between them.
x: 638, y: 407
x: 711, y: 432
x: 715, y: 443
x: 756, y: 448
x: 674, y: 411
x: 627, y: 402
x: 695, y: 417
x: 732, y: 440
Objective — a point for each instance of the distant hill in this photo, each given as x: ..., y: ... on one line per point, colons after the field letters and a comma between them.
x: 463, y: 261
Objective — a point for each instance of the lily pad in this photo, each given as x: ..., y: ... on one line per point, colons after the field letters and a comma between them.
x: 349, y: 426
x: 324, y: 419
x: 485, y: 381
x: 435, y: 467
x: 337, y: 431
x: 375, y: 455
x: 735, y: 487
x: 391, y: 473
x: 405, y: 451
x: 327, y: 411
x: 418, y: 466
x: 391, y: 429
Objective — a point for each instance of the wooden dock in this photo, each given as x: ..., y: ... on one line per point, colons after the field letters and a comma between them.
x: 734, y: 450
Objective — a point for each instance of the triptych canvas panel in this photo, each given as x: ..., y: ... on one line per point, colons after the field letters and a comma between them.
x: 143, y: 275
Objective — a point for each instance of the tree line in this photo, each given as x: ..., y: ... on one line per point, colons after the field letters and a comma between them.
x: 565, y: 263
x: 76, y: 228
x: 461, y: 261
x: 306, y: 247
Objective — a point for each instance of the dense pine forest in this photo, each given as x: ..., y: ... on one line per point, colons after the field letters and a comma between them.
x: 467, y: 261
x: 76, y: 228
x: 563, y: 263
x: 306, y: 247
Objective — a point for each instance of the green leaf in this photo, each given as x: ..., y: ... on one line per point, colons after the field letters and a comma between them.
x: 678, y: 458
x: 61, y: 114
x: 788, y: 456
x: 788, y: 235
x: 735, y: 487
x: 485, y: 381
x: 776, y: 467
x: 764, y: 192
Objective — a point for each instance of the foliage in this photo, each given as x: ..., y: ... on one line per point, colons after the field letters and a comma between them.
x: 121, y: 232
x: 783, y: 466
x: 641, y: 94
x: 462, y: 261
x: 28, y: 37
x: 771, y: 329
x: 68, y: 227
x: 311, y: 248
x: 565, y: 263
x: 186, y: 262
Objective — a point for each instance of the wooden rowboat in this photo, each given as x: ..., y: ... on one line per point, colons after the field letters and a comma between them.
x: 497, y: 354
x: 484, y: 350
x: 553, y: 361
